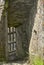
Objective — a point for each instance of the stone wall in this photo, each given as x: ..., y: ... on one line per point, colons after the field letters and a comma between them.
x: 24, y: 31
x: 18, y: 11
x: 3, y: 38
x: 2, y: 43
x: 37, y: 44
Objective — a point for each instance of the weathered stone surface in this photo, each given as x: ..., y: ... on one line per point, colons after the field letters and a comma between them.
x: 23, y: 32
x: 2, y: 48
x: 18, y: 12
x: 36, y: 44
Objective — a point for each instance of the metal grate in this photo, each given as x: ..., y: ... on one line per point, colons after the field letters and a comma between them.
x: 11, y: 42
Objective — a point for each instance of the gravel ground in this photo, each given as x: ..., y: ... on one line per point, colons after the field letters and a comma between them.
x: 18, y: 63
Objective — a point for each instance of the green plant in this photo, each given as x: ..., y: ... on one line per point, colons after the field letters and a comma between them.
x: 37, y: 61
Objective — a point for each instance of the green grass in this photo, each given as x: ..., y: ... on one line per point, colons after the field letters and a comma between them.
x: 37, y: 61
